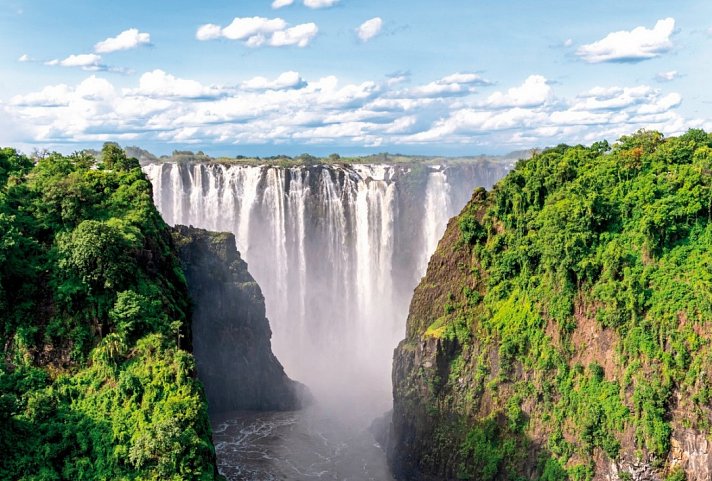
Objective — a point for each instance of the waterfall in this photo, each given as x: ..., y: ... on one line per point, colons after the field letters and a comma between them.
x: 337, y: 251
x: 438, y: 209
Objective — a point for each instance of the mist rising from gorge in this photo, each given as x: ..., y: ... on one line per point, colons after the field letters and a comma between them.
x: 337, y: 251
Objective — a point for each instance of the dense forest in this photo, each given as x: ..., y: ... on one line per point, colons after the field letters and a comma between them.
x: 563, y: 329
x: 96, y: 378
x: 561, y: 332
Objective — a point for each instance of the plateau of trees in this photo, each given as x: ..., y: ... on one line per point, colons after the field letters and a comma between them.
x: 93, y: 382
x: 616, y: 236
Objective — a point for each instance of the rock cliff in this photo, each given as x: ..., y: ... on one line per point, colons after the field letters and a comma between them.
x: 562, y: 329
x: 230, y: 333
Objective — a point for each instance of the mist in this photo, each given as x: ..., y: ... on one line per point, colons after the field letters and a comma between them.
x: 337, y: 251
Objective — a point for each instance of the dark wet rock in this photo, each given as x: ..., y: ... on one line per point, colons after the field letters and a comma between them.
x: 231, y: 334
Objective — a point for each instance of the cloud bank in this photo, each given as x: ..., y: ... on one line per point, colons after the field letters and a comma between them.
x: 457, y: 109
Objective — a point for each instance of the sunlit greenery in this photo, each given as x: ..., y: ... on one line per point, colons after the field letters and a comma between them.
x: 612, y: 239
x: 93, y: 382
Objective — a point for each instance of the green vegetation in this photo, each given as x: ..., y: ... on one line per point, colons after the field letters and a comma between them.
x: 187, y: 156
x: 95, y: 383
x: 595, y: 267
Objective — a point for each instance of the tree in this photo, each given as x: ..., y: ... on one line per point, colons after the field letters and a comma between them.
x: 97, y: 253
x: 135, y: 313
x: 113, y: 157
x: 12, y: 163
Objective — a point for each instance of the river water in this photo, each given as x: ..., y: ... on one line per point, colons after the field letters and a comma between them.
x: 298, y: 446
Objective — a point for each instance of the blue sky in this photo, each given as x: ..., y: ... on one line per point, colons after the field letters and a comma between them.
x: 349, y: 76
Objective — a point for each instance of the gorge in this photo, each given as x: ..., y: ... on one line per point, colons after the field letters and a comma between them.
x: 337, y: 251
x: 560, y: 332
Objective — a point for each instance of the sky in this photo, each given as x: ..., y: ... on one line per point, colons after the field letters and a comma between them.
x: 268, y: 77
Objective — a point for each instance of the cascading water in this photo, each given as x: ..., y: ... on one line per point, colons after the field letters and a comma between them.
x: 438, y: 209
x: 337, y: 251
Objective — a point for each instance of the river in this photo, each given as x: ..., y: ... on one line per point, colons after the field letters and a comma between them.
x: 298, y: 446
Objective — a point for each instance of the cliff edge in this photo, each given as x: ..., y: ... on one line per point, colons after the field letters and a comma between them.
x: 562, y: 331
x: 231, y: 335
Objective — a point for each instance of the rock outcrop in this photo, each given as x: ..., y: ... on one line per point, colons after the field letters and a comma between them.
x: 561, y: 332
x: 230, y: 333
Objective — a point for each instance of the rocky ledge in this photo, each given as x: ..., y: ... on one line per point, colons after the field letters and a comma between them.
x: 230, y: 331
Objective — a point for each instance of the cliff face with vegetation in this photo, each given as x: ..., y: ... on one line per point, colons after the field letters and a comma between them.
x: 96, y: 377
x: 231, y: 335
x: 563, y: 328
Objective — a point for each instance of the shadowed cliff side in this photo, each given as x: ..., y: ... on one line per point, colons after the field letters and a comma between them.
x: 231, y: 335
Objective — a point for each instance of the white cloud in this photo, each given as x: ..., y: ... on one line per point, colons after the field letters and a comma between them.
x: 660, y: 104
x: 614, y: 98
x: 308, y: 3
x: 568, y: 42
x: 159, y: 84
x: 244, y: 28
x: 369, y: 29
x: 534, y: 92
x: 397, y: 78
x: 320, y: 3
x: 126, y: 40
x: 286, y: 80
x: 208, y: 31
x: 668, y: 76
x: 456, y: 84
x: 465, y: 78
x: 24, y: 58
x: 258, y: 31
x: 290, y: 109
x: 86, y: 61
x: 299, y: 35
x: 631, y: 46
x: 95, y: 88
x: 50, y: 96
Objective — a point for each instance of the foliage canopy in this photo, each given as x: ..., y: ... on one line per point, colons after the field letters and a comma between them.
x: 93, y: 382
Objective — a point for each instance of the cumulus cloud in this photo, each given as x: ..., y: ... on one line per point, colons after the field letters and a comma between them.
x: 534, y: 92
x: 299, y: 35
x: 641, y: 99
x: 86, y: 61
x: 456, y: 84
x: 244, y: 28
x: 369, y: 29
x: 126, y: 40
x: 24, y: 58
x: 158, y: 83
x: 631, y: 46
x: 281, y: 3
x: 286, y: 80
x: 320, y: 3
x: 50, y: 96
x: 258, y: 31
x: 668, y: 76
x: 289, y: 109
x: 209, y: 31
